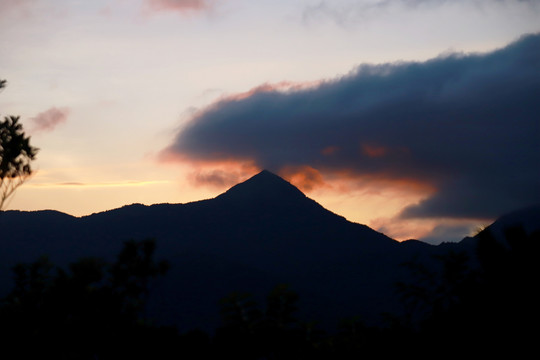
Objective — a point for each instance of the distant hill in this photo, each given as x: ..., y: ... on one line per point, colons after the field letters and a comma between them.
x: 257, y: 234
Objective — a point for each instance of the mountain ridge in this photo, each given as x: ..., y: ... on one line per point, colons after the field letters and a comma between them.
x: 259, y: 233
x: 263, y: 226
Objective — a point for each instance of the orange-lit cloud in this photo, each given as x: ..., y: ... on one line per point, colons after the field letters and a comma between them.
x: 219, y: 178
x: 217, y: 174
x: 432, y: 231
x: 374, y: 151
x: 330, y: 150
x: 49, y: 119
x: 305, y: 178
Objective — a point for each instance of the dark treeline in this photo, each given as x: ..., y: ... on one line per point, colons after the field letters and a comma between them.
x: 95, y: 310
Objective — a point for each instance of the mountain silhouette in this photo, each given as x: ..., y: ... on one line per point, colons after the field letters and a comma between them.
x: 259, y: 233
x: 265, y: 186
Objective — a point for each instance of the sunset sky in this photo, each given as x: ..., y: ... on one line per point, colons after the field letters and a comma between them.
x: 418, y: 118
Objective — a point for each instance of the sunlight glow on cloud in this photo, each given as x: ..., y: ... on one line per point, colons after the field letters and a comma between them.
x: 218, y: 174
x: 221, y: 175
x: 305, y: 178
x: 217, y: 178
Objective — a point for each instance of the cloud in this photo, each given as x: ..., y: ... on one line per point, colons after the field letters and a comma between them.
x: 10, y: 5
x: 215, y: 178
x: 178, y: 5
x: 305, y: 178
x: 48, y: 120
x: 465, y: 126
x: 347, y: 12
x: 17, y: 10
x: 75, y: 184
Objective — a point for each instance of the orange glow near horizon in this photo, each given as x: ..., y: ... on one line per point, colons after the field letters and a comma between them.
x: 127, y: 183
x: 375, y: 202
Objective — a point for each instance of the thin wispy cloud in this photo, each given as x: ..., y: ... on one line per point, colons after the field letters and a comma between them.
x: 348, y: 12
x: 463, y: 125
x: 215, y: 178
x: 119, y: 184
x: 49, y: 119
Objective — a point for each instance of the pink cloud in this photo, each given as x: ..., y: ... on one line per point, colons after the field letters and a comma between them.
x: 178, y: 5
x: 17, y: 8
x: 6, y: 5
x: 49, y: 119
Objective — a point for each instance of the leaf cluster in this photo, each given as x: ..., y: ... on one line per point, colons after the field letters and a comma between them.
x: 16, y: 155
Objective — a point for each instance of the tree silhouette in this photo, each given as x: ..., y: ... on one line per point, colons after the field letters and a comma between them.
x: 91, y: 310
x: 510, y: 293
x: 281, y: 306
x: 272, y: 332
x: 485, y: 305
x: 16, y: 154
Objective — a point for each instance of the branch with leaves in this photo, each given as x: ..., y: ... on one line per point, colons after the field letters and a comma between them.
x: 16, y: 154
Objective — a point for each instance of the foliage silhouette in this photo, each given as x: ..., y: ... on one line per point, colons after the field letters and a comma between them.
x: 251, y: 332
x: 93, y: 310
x: 484, y: 308
x: 16, y: 154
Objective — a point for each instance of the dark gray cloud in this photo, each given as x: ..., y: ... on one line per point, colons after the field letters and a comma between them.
x: 469, y: 125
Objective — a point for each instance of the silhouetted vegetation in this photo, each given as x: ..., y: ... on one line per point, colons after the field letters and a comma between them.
x: 487, y: 308
x: 95, y: 310
x: 16, y: 154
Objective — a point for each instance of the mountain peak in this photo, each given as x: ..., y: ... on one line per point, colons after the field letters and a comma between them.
x: 266, y: 177
x: 263, y: 185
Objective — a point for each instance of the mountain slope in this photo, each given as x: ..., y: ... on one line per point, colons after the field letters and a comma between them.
x: 259, y: 233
